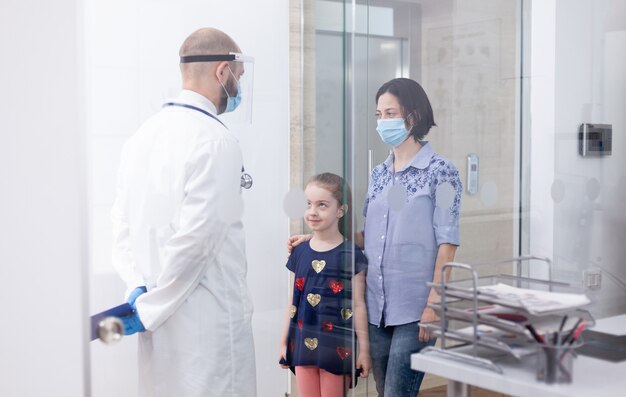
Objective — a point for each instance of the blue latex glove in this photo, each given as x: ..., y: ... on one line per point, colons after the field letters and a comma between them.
x: 135, y: 294
x: 132, y: 324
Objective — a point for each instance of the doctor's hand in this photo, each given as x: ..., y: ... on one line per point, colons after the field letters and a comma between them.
x: 296, y: 240
x: 428, y: 316
x: 135, y: 294
x: 132, y: 324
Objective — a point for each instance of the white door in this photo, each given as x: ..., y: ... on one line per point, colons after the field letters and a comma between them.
x: 43, y: 240
x: 131, y: 61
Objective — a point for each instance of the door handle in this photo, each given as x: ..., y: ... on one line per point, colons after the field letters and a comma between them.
x: 110, y: 330
x: 107, y: 325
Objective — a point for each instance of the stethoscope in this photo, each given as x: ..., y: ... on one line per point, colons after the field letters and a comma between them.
x: 246, y: 179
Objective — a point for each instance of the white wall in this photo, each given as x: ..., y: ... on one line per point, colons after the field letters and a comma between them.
x: 132, y: 67
x: 585, y: 44
x: 43, y: 244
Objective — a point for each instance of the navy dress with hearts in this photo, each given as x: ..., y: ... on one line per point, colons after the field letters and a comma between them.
x: 321, y: 331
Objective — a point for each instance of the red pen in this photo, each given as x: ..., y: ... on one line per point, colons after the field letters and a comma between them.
x: 576, y: 333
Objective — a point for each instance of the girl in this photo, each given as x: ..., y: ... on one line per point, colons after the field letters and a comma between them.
x: 317, y: 340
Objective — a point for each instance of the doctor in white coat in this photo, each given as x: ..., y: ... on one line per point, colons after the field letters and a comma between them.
x: 177, y: 233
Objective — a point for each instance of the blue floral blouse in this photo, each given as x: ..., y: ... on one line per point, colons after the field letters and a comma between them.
x: 408, y: 214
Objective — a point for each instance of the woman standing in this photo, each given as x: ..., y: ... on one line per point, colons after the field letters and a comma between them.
x: 411, y: 231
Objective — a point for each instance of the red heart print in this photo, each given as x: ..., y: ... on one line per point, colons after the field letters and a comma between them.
x: 336, y: 286
x: 327, y: 326
x: 343, y: 352
x: 300, y: 324
x: 300, y: 283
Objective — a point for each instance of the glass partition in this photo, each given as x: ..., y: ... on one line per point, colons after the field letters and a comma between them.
x: 467, y: 57
x: 588, y: 185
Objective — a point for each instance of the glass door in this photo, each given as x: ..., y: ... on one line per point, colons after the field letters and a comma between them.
x: 529, y: 121
x: 467, y: 58
x: 577, y: 163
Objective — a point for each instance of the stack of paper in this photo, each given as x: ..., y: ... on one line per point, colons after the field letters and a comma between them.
x: 534, y: 301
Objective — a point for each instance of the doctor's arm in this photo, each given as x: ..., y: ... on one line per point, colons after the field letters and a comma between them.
x: 122, y: 256
x: 211, y: 188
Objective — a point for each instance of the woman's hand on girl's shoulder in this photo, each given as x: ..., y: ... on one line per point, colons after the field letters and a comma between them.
x: 359, y: 239
x: 297, y: 239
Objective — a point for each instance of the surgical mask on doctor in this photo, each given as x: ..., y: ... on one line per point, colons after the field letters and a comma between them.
x: 232, y: 101
x: 392, y: 131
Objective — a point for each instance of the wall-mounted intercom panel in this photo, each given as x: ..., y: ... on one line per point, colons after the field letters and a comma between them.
x: 595, y: 139
x: 472, y: 173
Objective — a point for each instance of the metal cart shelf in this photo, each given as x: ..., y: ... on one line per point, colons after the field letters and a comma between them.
x: 461, y: 300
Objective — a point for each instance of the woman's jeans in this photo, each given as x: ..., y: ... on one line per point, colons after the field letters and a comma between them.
x: 391, y: 349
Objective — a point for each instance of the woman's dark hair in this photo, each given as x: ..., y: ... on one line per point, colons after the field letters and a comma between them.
x: 340, y: 190
x: 415, y: 105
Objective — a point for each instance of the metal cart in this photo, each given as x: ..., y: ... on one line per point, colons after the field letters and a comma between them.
x: 464, y: 301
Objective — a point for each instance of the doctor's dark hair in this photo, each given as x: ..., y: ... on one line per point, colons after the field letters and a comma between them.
x: 414, y: 102
x: 340, y: 190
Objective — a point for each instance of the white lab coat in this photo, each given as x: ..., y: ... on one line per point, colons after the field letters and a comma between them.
x: 174, y: 231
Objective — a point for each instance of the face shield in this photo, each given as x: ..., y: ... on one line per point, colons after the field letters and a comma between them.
x: 239, y: 83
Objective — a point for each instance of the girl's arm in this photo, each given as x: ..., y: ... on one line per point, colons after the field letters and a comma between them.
x: 364, y: 360
x: 444, y: 255
x: 287, y: 319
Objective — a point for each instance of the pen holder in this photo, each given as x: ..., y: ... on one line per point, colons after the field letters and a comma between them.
x: 555, y: 363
